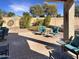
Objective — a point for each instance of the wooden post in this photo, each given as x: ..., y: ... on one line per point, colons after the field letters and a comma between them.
x: 69, y: 10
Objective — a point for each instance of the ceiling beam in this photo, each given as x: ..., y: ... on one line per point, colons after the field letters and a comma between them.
x: 55, y: 0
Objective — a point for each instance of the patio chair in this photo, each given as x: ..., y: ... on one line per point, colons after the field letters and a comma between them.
x: 55, y: 30
x: 41, y: 30
x: 4, y: 57
x: 73, y: 46
x: 4, y: 49
x: 3, y: 32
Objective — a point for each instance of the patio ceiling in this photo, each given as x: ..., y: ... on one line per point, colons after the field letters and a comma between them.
x: 57, y: 0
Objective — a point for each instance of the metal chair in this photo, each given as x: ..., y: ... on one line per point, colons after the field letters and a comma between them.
x: 41, y: 30
x: 55, y: 30
x: 73, y: 46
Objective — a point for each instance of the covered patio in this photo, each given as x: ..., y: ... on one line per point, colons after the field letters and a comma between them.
x: 23, y: 44
x: 28, y: 46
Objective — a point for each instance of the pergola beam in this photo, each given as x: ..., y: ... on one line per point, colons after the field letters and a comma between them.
x: 55, y: 0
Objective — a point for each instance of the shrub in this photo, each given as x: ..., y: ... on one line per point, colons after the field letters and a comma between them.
x: 25, y: 21
x: 10, y: 14
x: 47, y: 21
x: 1, y: 22
x: 34, y: 28
x: 21, y: 23
x: 39, y: 22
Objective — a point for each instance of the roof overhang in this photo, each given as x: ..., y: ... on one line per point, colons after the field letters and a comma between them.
x: 55, y: 0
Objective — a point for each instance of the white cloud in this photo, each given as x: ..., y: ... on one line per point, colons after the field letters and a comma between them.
x: 19, y: 7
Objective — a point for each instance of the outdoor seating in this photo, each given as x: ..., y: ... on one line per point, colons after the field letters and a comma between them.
x: 41, y: 30
x: 55, y: 30
x: 4, y: 50
x: 4, y: 57
x: 51, y: 31
x: 73, y: 46
x: 3, y: 32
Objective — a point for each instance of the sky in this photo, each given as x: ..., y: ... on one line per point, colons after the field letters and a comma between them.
x: 20, y: 6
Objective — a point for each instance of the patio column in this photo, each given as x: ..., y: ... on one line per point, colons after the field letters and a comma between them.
x: 69, y: 10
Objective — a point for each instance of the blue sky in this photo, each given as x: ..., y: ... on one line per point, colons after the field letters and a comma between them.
x: 20, y: 6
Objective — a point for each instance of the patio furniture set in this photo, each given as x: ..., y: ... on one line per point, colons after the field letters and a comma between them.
x: 42, y: 30
x: 71, y: 45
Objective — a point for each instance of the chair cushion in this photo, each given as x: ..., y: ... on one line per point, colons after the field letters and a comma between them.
x: 55, y: 29
x: 41, y: 28
x: 1, y: 32
x: 4, y: 58
x: 77, y: 50
x: 75, y: 41
x: 69, y: 46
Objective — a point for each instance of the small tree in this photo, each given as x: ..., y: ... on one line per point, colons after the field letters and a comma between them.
x: 47, y: 21
x: 50, y: 10
x: 10, y: 14
x: 58, y: 15
x: 37, y: 10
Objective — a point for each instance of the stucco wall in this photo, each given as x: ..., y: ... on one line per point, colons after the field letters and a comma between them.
x: 59, y: 21
x: 54, y: 21
x: 7, y: 19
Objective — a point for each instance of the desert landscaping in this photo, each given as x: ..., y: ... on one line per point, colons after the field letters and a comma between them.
x: 54, y: 21
x: 37, y: 46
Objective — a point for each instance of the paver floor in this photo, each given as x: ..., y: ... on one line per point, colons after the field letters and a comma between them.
x: 26, y: 45
x: 19, y: 48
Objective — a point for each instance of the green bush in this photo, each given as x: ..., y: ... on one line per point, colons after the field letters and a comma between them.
x: 10, y: 14
x: 21, y: 23
x: 1, y: 22
x: 34, y: 28
x: 39, y: 21
x: 25, y: 21
x: 47, y: 21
